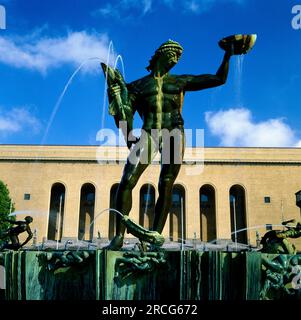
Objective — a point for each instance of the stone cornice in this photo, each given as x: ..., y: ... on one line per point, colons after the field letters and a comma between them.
x: 107, y: 155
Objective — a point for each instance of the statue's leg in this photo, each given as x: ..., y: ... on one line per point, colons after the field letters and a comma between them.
x: 14, y: 239
x: 168, y: 175
x: 133, y: 169
x: 289, y: 248
x: 15, y: 242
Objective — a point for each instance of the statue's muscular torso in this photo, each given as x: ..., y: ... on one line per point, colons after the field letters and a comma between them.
x: 159, y: 100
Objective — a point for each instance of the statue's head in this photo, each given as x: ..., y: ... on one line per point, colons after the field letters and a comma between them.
x: 168, y: 54
x: 28, y: 219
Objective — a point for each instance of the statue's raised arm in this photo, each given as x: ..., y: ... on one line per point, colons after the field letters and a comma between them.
x: 233, y: 45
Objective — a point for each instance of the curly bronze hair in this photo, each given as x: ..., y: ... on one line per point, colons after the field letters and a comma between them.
x: 169, y: 45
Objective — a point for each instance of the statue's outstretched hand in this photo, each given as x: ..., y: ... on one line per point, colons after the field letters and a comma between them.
x: 230, y: 50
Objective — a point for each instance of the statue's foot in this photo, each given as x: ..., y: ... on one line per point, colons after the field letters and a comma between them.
x: 116, y: 243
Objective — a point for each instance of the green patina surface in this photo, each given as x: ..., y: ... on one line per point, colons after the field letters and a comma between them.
x: 28, y: 277
x: 173, y: 275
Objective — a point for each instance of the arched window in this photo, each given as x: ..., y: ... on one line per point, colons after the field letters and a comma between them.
x: 298, y: 199
x: 147, y: 206
x: 238, y: 214
x: 177, y: 230
x: 208, y: 213
x: 113, y: 216
x: 86, y: 212
x: 56, y: 212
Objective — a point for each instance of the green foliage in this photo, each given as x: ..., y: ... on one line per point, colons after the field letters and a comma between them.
x: 5, y: 208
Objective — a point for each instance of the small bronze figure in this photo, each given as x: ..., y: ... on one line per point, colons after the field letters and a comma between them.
x: 276, y: 241
x: 13, y: 233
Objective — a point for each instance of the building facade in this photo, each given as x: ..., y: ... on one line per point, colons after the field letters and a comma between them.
x: 220, y: 193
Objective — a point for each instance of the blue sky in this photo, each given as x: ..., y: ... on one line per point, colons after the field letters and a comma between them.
x: 45, y: 41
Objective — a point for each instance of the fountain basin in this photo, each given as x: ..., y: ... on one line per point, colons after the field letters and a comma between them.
x: 178, y: 275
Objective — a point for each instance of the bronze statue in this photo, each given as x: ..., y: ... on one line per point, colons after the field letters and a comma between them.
x: 135, y: 263
x: 57, y: 260
x: 13, y: 233
x: 276, y: 241
x: 158, y: 99
x: 280, y: 277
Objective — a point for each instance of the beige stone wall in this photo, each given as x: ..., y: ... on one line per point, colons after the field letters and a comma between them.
x: 261, y: 171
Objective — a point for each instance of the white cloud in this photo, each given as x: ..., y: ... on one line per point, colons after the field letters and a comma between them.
x: 193, y: 6
x: 147, y: 6
x: 125, y: 8
x: 198, y: 6
x: 17, y: 120
x: 107, y: 10
x: 235, y: 127
x: 42, y: 54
